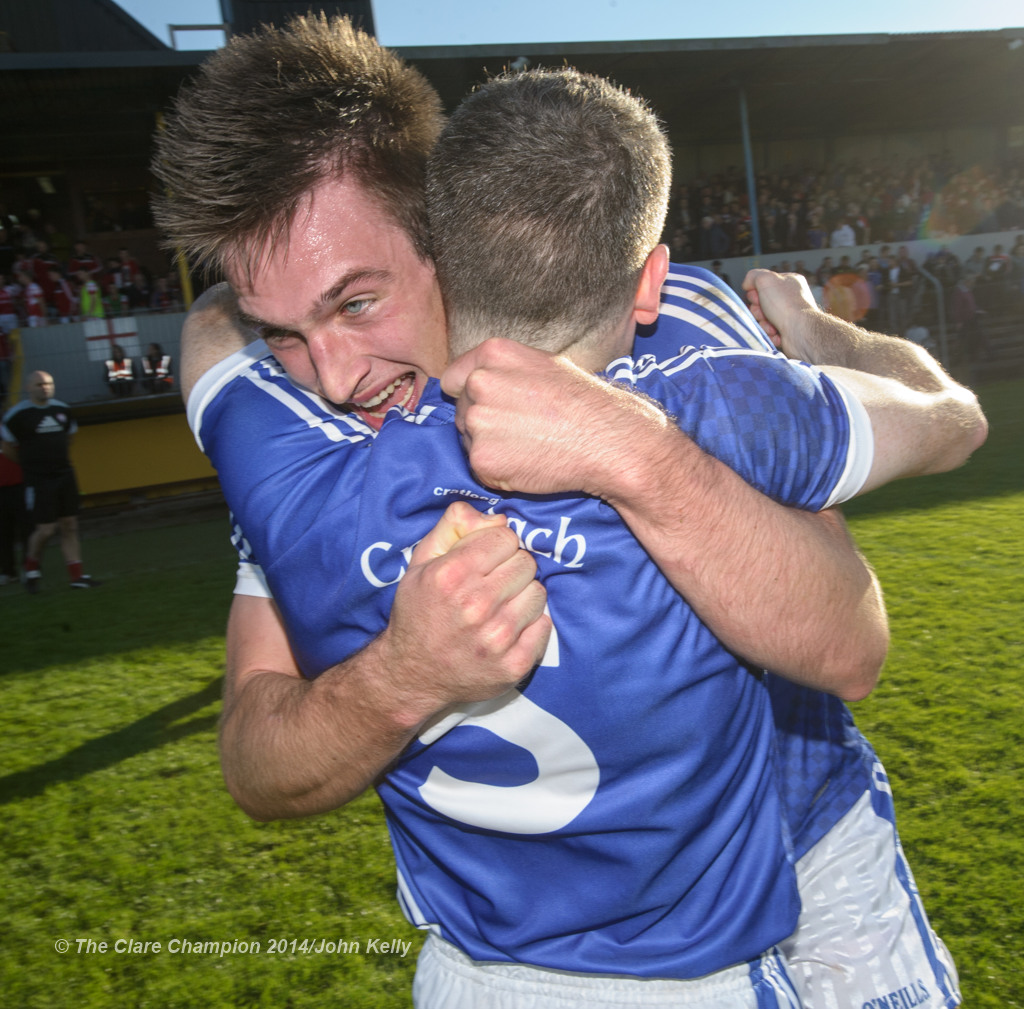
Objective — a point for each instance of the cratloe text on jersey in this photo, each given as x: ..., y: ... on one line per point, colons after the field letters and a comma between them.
x: 384, y: 564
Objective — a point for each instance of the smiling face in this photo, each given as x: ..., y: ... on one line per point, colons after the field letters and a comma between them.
x: 346, y: 305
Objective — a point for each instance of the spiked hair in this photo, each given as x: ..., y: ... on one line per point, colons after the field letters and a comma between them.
x: 273, y: 114
x: 547, y: 190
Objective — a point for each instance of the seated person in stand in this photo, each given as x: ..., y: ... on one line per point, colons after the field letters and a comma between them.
x: 156, y: 370
x: 120, y: 372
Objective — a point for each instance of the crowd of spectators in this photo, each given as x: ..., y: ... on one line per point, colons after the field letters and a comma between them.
x: 39, y: 287
x: 836, y: 207
x: 843, y: 206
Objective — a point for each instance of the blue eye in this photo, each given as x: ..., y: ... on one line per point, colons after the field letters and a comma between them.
x: 355, y: 307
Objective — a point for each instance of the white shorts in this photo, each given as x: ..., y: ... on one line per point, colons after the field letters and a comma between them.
x: 863, y: 940
x: 448, y: 979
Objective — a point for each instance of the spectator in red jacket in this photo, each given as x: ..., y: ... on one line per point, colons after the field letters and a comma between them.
x: 33, y: 299
x: 83, y: 259
x: 63, y: 300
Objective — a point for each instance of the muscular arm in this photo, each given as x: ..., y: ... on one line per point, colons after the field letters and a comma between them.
x: 467, y: 624
x: 288, y: 746
x: 784, y: 588
x: 923, y: 421
x: 280, y: 733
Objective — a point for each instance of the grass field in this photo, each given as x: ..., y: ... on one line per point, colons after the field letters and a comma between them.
x: 117, y: 828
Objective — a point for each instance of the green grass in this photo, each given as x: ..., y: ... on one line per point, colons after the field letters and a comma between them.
x: 946, y: 719
x: 116, y: 824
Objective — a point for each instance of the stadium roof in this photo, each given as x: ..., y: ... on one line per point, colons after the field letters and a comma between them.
x: 80, y: 80
x: 79, y: 103
x: 246, y: 15
x: 797, y: 86
x: 70, y: 26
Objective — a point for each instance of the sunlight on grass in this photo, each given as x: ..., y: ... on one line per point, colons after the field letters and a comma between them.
x: 117, y: 824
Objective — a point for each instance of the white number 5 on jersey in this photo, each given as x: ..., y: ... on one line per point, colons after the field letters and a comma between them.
x: 567, y: 772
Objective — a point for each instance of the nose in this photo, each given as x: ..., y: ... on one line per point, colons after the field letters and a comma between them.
x: 339, y: 364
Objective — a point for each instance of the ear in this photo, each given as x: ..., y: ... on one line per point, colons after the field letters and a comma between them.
x: 648, y: 291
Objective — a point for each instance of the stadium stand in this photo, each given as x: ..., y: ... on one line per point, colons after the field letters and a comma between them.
x: 831, y: 153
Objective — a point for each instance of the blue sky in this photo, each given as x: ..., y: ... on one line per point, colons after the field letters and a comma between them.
x: 467, y: 22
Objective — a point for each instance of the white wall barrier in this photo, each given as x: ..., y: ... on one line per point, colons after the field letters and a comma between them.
x: 961, y: 246
x: 74, y: 353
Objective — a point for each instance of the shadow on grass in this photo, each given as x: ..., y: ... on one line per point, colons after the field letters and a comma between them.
x: 150, y: 732
x: 162, y: 588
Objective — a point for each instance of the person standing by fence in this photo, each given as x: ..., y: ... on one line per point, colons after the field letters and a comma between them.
x: 37, y: 434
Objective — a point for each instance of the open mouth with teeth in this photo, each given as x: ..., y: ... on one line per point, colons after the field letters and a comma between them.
x: 401, y: 393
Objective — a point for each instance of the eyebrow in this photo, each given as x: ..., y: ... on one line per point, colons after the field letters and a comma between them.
x: 252, y: 322
x: 346, y: 280
x: 335, y: 291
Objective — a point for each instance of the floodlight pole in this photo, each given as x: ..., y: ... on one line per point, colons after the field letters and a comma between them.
x: 940, y: 305
x: 748, y: 159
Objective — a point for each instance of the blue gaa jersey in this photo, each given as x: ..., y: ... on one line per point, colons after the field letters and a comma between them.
x: 619, y: 812
x: 825, y: 764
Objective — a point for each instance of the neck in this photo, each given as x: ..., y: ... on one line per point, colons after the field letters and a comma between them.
x: 597, y: 350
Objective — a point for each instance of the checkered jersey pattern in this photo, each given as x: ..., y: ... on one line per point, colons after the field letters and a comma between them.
x: 823, y: 761
x: 782, y: 427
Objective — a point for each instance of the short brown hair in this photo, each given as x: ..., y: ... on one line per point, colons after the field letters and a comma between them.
x: 547, y: 190
x: 273, y: 114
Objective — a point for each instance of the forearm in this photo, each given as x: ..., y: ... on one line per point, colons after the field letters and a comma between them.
x: 923, y: 420
x: 783, y: 588
x: 287, y: 751
x: 295, y: 747
x: 467, y: 624
x: 826, y: 339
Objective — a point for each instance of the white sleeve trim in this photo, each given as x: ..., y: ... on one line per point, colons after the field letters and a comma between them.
x: 212, y: 381
x: 250, y: 581
x: 860, y: 455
